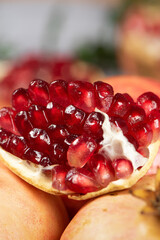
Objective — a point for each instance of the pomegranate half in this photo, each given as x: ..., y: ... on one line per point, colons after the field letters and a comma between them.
x: 78, y: 138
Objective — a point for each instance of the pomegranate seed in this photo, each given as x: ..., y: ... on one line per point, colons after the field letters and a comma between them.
x: 54, y: 113
x: 123, y: 168
x: 17, y: 145
x: 39, y: 92
x: 142, y: 132
x: 144, y: 151
x: 80, y: 151
x: 149, y: 101
x: 120, y: 123
x: 93, y: 125
x: 37, y: 157
x: 132, y: 140
x: 81, y: 181
x: 154, y: 122
x: 59, y: 173
x: 39, y: 139
x: 82, y: 95
x: 129, y: 98
x: 37, y: 116
x: 119, y: 106
x: 58, y: 92
x: 58, y: 153
x: 102, y: 169
x: 57, y: 133
x: 135, y: 115
x: 7, y: 119
x: 104, y: 95
x: 74, y: 119
x: 69, y: 139
x: 20, y: 99
x: 5, y: 138
x: 22, y: 123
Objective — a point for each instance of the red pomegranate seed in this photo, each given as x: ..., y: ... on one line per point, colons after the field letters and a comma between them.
x: 144, y: 151
x: 17, y: 145
x: 104, y: 95
x: 143, y: 133
x: 69, y: 139
x: 135, y: 115
x: 80, y: 151
x: 102, y: 169
x: 39, y: 92
x: 54, y: 113
x: 58, y: 92
x: 93, y: 125
x: 120, y: 123
x: 39, y: 140
x: 22, y: 123
x: 59, y: 173
x: 123, y: 168
x: 37, y: 116
x: 37, y: 157
x: 81, y: 181
x: 82, y: 95
x: 74, y: 119
x: 5, y: 137
x: 7, y: 119
x: 20, y: 99
x: 57, y: 133
x: 154, y: 122
x: 132, y: 140
x: 149, y: 101
x: 58, y: 153
x: 129, y: 98
x: 119, y: 106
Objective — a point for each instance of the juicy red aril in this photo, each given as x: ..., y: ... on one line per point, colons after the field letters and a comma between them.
x: 81, y: 181
x: 69, y: 139
x: 17, y: 145
x: 74, y: 119
x: 144, y: 151
x: 54, y: 113
x: 135, y: 115
x: 58, y: 153
x: 120, y: 123
x: 57, y: 133
x: 58, y: 92
x: 102, y: 169
x: 82, y: 95
x: 21, y: 99
x: 37, y: 116
x: 7, y: 119
x: 123, y: 168
x: 80, y: 151
x: 39, y: 139
x: 132, y: 140
x: 37, y: 157
x: 39, y: 92
x: 143, y: 133
x: 93, y: 125
x: 104, y: 95
x: 149, y: 101
x: 153, y: 121
x: 119, y: 106
x: 59, y: 173
x: 5, y: 138
x: 23, y: 123
x: 129, y: 98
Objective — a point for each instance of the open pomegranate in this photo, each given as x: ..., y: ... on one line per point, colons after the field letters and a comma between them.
x: 78, y: 138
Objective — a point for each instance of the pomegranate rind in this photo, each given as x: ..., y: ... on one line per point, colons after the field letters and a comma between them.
x: 32, y: 174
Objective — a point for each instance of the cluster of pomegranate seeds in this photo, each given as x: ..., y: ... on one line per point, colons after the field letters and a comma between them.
x: 60, y: 127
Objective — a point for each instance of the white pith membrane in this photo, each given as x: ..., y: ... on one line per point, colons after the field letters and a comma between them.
x: 114, y: 144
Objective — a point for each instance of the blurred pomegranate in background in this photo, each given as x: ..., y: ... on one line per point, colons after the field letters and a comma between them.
x: 20, y: 73
x: 139, y: 39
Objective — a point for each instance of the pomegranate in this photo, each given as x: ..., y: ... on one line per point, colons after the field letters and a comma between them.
x: 28, y: 213
x: 119, y: 215
x: 92, y: 149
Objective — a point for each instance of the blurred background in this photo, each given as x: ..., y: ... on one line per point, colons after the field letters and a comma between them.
x: 84, y: 40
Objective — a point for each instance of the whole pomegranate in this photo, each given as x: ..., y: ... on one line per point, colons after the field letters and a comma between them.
x: 28, y: 213
x: 139, y: 39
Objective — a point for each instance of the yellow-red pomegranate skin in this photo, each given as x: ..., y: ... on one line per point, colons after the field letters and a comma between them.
x: 28, y: 213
